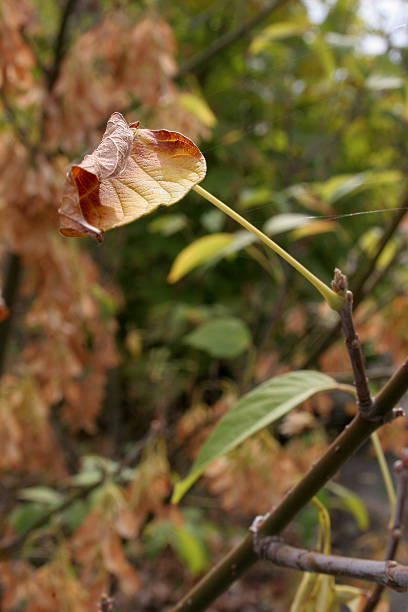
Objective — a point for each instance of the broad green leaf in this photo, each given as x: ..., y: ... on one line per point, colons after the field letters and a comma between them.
x: 226, y: 337
x: 254, y: 196
x: 168, y: 224
x: 324, y: 55
x: 384, y: 81
x: 344, y: 41
x: 41, y: 495
x: 214, y: 247
x: 196, y: 253
x: 189, y: 548
x: 254, y: 411
x: 76, y: 513
x: 369, y: 243
x: 319, y: 226
x: 186, y: 540
x: 198, y: 106
x: 277, y: 31
x: 26, y: 515
x: 351, y: 502
x: 241, y: 240
x: 285, y: 222
x: 93, y: 467
x: 342, y: 186
x: 212, y: 220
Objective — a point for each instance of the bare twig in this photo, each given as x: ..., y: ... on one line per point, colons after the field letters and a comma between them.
x: 60, y: 43
x: 353, y: 344
x: 229, y: 38
x: 395, y: 534
x: 385, y: 573
x: 10, y: 293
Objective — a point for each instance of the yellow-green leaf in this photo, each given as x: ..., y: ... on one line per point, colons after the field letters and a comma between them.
x: 198, y: 252
x: 198, y: 106
x: 277, y: 31
x: 313, y: 228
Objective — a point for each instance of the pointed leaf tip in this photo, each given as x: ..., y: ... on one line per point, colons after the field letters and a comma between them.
x: 130, y: 174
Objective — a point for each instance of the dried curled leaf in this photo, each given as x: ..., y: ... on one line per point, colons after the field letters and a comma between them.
x: 130, y: 174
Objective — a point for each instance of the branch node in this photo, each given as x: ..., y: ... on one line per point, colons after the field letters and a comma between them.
x: 339, y: 283
x: 254, y: 529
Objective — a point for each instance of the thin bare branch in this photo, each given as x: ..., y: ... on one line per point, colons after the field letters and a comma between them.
x: 395, y: 533
x: 13, y: 270
x: 353, y: 344
x: 60, y: 43
x: 385, y: 573
x: 229, y: 38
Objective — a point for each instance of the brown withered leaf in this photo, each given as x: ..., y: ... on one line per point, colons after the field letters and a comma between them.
x: 130, y: 174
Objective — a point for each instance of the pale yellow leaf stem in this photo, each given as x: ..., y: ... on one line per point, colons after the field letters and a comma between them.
x: 334, y: 300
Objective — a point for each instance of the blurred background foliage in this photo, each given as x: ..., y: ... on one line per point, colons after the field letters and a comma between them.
x: 112, y: 377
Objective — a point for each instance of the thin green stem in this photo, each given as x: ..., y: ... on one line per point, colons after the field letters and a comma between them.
x: 334, y: 300
x: 389, y: 486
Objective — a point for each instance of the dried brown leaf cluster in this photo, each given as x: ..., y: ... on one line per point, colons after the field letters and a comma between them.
x: 244, y: 480
x: 16, y: 58
x: 117, y: 59
x: 63, y: 336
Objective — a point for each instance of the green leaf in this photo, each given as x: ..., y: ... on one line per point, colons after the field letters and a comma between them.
x: 196, y: 253
x: 351, y: 502
x: 41, y: 495
x: 384, y: 81
x: 198, y: 106
x: 254, y: 411
x: 189, y: 548
x: 277, y: 31
x: 285, y: 222
x: 93, y: 467
x: 26, y: 515
x: 226, y: 337
x: 343, y: 186
x: 241, y: 240
x: 320, y: 226
x: 254, y: 196
x: 168, y: 224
